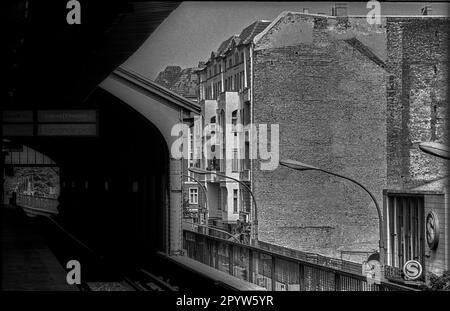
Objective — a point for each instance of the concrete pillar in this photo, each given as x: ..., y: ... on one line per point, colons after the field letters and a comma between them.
x: 175, y: 207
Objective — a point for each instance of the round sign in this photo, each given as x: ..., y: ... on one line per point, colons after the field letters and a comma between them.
x: 412, y: 270
x: 432, y: 230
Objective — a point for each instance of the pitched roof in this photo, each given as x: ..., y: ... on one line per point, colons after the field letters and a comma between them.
x: 247, y: 35
x: 225, y: 45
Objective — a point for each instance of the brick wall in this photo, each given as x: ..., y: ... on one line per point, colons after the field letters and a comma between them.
x: 417, y: 59
x: 329, y: 99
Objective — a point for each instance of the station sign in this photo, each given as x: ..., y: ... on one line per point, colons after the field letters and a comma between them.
x: 23, y: 130
x: 67, y: 130
x: 26, y: 123
x: 67, y: 116
x: 16, y: 116
x: 412, y: 270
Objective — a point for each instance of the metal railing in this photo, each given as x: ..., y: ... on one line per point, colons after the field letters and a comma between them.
x: 208, y: 230
x: 244, y: 175
x: 272, y: 270
x: 37, y: 202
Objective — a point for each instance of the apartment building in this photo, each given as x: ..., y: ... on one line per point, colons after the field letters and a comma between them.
x: 351, y: 97
x: 224, y: 95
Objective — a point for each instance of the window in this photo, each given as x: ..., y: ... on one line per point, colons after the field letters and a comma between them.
x: 235, y: 162
x: 230, y: 63
x: 247, y: 156
x: 245, y: 200
x: 222, y: 123
x: 213, y: 119
x: 242, y: 57
x: 234, y: 119
x: 193, y: 195
x: 405, y: 229
x: 223, y: 199
x: 191, y: 144
x: 235, y: 201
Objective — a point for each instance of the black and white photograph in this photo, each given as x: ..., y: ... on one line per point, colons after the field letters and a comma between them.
x: 225, y: 152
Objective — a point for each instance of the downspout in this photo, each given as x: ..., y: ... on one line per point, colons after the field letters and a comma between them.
x: 255, y: 221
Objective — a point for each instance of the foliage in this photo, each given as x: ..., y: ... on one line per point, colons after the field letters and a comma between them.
x: 439, y: 283
x: 40, y: 179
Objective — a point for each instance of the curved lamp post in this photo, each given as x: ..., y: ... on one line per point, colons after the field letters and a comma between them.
x: 436, y: 149
x: 254, y: 227
x: 204, y: 193
x: 305, y: 167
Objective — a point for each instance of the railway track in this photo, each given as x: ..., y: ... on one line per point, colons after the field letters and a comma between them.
x: 143, y: 280
x: 68, y: 245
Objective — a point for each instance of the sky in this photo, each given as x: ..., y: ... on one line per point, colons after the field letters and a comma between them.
x: 195, y: 29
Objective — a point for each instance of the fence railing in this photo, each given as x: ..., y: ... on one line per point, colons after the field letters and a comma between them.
x: 272, y: 270
x: 37, y: 202
x: 211, y: 231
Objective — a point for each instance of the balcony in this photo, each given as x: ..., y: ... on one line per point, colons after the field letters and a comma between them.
x: 211, y: 178
x: 213, y: 165
x: 245, y: 95
x: 244, y: 175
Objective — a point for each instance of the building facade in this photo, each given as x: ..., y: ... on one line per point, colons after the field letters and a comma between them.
x: 224, y: 85
x: 355, y: 99
x: 349, y: 97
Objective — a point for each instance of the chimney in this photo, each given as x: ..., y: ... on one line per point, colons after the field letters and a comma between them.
x: 426, y: 10
x: 305, y: 10
x: 339, y: 9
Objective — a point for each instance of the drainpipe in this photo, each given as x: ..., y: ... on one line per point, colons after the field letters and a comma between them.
x: 251, y: 151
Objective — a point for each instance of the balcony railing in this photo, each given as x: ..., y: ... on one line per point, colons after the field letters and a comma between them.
x: 244, y: 175
x: 208, y: 230
x: 213, y: 165
x: 272, y: 270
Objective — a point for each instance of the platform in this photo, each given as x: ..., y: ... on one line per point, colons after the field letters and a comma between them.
x: 219, y: 277
x: 27, y: 262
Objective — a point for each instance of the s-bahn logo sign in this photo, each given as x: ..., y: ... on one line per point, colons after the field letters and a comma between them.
x: 412, y: 270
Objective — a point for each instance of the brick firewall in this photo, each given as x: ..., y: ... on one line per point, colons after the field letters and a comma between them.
x: 417, y: 60
x: 330, y: 103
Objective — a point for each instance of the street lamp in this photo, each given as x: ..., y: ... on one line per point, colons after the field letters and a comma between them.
x: 254, y: 226
x: 204, y: 193
x: 305, y: 167
x: 436, y: 149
